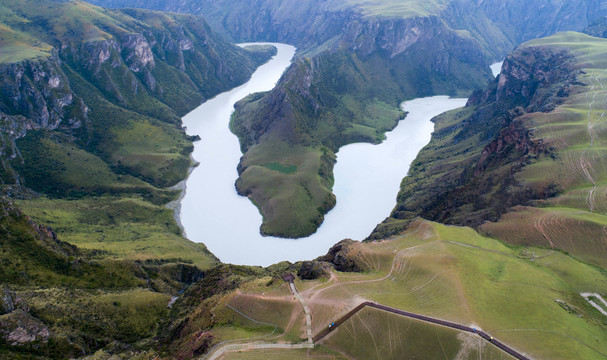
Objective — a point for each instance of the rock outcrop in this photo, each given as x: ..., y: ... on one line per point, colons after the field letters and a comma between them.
x: 469, y: 176
x: 155, y: 65
x: 342, y: 258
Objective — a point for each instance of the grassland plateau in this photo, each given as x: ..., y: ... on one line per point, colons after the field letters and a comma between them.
x: 533, y: 175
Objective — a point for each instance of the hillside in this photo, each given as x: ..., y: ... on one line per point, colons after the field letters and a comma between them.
x: 94, y: 122
x: 358, y: 60
x: 59, y: 301
x: 528, y: 298
x: 535, y: 172
x: 331, y: 100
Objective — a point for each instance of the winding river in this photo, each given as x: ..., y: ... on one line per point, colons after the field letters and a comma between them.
x: 367, y: 178
x: 496, y: 68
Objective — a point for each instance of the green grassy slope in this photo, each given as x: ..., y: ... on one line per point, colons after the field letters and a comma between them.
x: 95, y: 124
x: 527, y: 297
x: 58, y: 301
x: 119, y: 227
x: 364, y: 336
x: 545, y: 155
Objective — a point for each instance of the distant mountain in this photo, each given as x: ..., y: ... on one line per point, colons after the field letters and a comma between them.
x: 499, y: 24
x: 597, y: 28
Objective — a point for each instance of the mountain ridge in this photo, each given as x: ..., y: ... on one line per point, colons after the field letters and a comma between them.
x: 458, y: 40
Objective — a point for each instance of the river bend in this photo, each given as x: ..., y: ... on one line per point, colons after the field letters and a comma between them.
x: 367, y: 178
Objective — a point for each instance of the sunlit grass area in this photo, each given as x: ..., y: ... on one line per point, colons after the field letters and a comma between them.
x: 402, y: 8
x: 121, y: 227
x: 527, y: 297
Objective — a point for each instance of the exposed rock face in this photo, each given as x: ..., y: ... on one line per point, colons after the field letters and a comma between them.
x: 341, y: 257
x: 20, y: 328
x: 461, y: 189
x: 310, y: 270
x: 531, y: 78
x: 131, y: 67
x: 8, y: 301
x: 37, y: 90
x: 138, y: 53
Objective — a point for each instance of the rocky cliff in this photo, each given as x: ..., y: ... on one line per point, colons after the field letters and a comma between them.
x: 467, y: 174
x: 498, y: 25
x: 355, y: 59
x: 597, y: 28
x: 108, y: 71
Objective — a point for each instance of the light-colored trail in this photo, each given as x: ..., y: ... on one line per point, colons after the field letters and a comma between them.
x: 224, y: 348
x: 585, y: 163
x: 220, y: 352
x: 601, y: 309
x: 306, y: 311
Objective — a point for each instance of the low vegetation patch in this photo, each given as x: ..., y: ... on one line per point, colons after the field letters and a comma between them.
x: 285, y: 169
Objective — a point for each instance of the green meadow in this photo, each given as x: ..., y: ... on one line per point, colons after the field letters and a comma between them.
x: 527, y: 297
x: 393, y: 8
x: 574, y: 220
x: 119, y: 227
x: 376, y: 334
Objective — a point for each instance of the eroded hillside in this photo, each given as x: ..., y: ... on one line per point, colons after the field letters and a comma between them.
x: 357, y: 61
x: 97, y: 118
x: 524, y: 155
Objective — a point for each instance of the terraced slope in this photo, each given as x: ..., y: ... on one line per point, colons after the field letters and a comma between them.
x: 575, y: 219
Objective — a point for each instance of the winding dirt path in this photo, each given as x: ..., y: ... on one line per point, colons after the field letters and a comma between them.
x: 306, y: 310
x: 585, y: 163
x: 229, y: 346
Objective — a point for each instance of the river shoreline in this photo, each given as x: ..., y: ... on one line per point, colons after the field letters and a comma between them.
x: 175, y: 205
x: 367, y: 179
